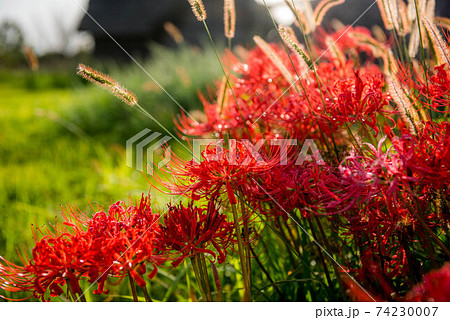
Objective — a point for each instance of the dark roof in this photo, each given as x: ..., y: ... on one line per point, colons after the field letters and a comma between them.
x: 145, y: 18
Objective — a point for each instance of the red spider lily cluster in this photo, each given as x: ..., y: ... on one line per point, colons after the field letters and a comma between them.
x: 189, y: 230
x: 116, y: 244
x: 374, y: 193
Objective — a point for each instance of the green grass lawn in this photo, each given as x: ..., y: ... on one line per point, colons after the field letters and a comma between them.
x: 46, y: 160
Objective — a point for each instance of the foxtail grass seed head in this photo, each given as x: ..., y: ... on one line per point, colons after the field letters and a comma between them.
x: 308, y: 13
x: 414, y: 41
x: 335, y: 51
x: 322, y: 8
x: 442, y: 22
x: 405, y: 22
x: 392, y: 63
x: 430, y: 11
x: 407, y: 111
x: 304, y: 18
x: 273, y: 56
x: 411, y: 10
x: 394, y: 14
x: 378, y: 48
x: 229, y: 18
x: 173, y: 32
x: 385, y: 15
x: 198, y: 9
x: 108, y: 83
x: 302, y: 23
x: 294, y: 46
x: 31, y: 57
x: 440, y: 47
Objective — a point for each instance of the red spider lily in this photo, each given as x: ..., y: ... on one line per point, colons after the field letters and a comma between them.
x: 373, y: 279
x: 345, y: 96
x: 428, y: 154
x: 220, y: 170
x: 435, y: 287
x: 260, y: 84
x: 365, y: 178
x: 122, y: 241
x: 341, y: 96
x: 116, y: 244
x: 431, y: 89
x: 191, y: 230
x: 294, y: 186
x: 271, y: 107
x: 56, y: 260
x: 349, y: 40
x: 358, y: 99
x: 438, y: 89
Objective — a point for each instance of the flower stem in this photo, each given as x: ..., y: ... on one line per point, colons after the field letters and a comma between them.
x: 321, y: 257
x: 247, y: 293
x: 75, y: 291
x: 247, y: 244
x: 199, y: 277
x: 206, y: 278
x: 226, y: 77
x: 264, y: 270
x: 188, y: 281
x: 133, y: 288
x: 146, y: 294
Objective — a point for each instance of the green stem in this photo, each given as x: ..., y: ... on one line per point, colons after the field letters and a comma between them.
x: 146, y: 294
x: 328, y: 248
x: 188, y: 281
x: 247, y: 244
x: 226, y: 77
x: 247, y: 294
x: 198, y: 277
x: 206, y: 278
x: 264, y: 270
x: 321, y: 257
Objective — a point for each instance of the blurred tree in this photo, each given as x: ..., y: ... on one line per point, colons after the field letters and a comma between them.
x: 11, y: 43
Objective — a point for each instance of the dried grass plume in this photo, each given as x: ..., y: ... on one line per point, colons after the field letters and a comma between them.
x: 108, y: 83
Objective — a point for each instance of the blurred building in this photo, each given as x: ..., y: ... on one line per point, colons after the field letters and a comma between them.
x: 136, y: 23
